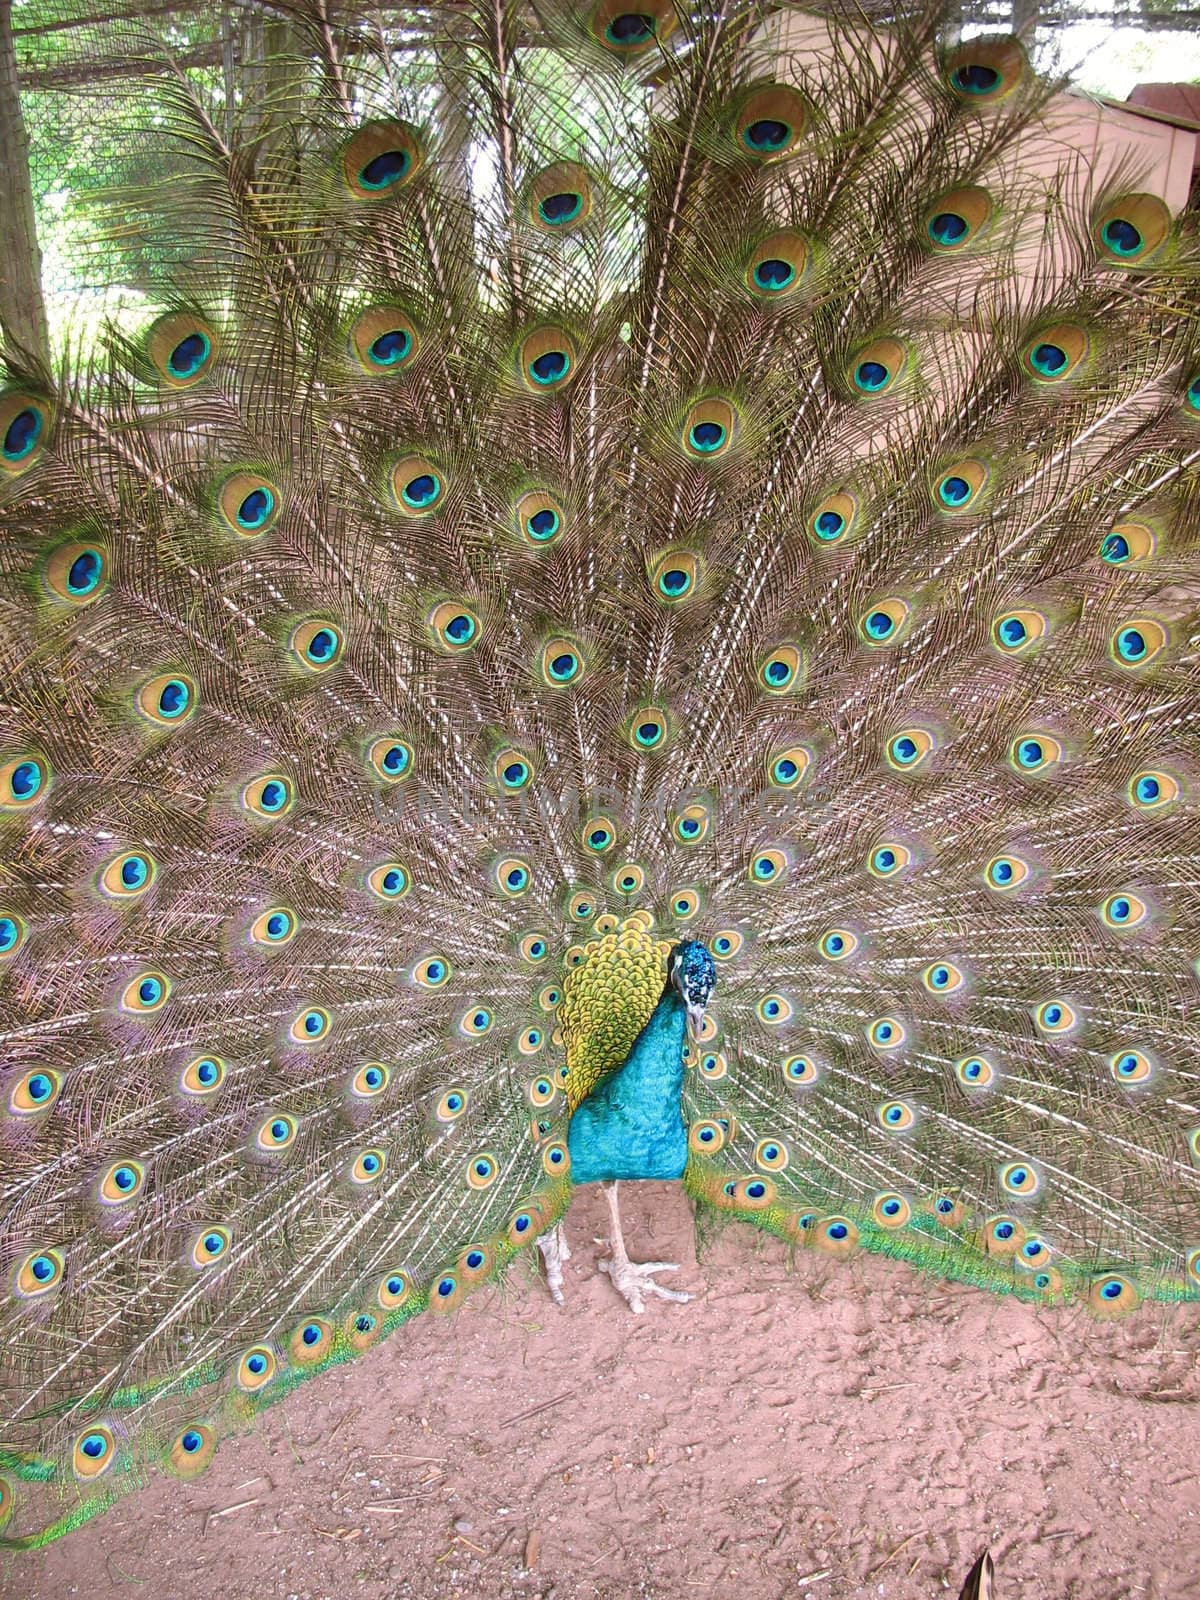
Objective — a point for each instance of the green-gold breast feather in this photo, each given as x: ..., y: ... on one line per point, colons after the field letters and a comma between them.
x: 590, y: 487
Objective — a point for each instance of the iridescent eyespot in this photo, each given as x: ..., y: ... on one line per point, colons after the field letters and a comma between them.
x: 451, y: 1105
x: 631, y: 33
x: 1034, y: 752
x: 1130, y: 229
x: 599, y: 835
x: 943, y: 977
x: 1020, y: 1178
x: 771, y: 120
x: 24, y: 781
x: 787, y: 768
x: 269, y: 797
x: 390, y: 758
x: 128, y: 875
x: 34, y: 1092
x: 1055, y: 1017
x: 474, y: 1264
x: 76, y: 573
x: 777, y: 264
x: 768, y: 867
x: 310, y: 1342
x: 706, y: 1137
x: 1016, y: 631
x: 581, y: 906
x: 203, y: 1076
x: 713, y: 1065
x: 209, y: 1246
x: 771, y: 1155
x: 629, y: 879
x: 390, y: 880
x: 317, y: 646
x: 274, y: 927
x: 838, y: 944
x: 605, y: 923
x: 454, y: 626
x: 367, y: 1167
x: 39, y: 1273
x: 780, y: 672
x: 1124, y: 910
x: 13, y: 931
x: 774, y: 1009
x: 380, y: 159
x: 948, y: 1210
x: 708, y: 429
x: 361, y: 1329
x: 549, y: 997
x: 1131, y: 1067
x: 835, y: 1236
x: 886, y: 1033
x: 960, y: 486
x: 1127, y: 543
x: 512, y: 876
x: 383, y: 339
x: 883, y: 622
x: 475, y: 1021
x: 24, y: 426
x: 482, y: 1171
x: 897, y: 1116
x: 531, y: 1041
x: 276, y: 1133
x: 801, y: 1070
x: 560, y: 197
x: 93, y: 1453
x: 369, y: 1080
x: 891, y: 1211
x: 249, y: 504
x: 691, y: 824
x: 1153, y: 790
x: 417, y: 486
x: 957, y: 218
x: 182, y: 347
x: 256, y: 1368
x: 394, y: 1289
x: 877, y: 368
x: 547, y: 360
x: 512, y: 769
x: 555, y: 1160
x: 685, y: 903
x: 168, y: 700
x: 541, y: 1092
x: 432, y: 972
x: 834, y: 519
x: 1056, y: 353
x: 647, y: 729
x: 974, y: 1072
x: 1191, y: 398
x: 726, y: 943
x: 1005, y: 872
x: 534, y: 948
x: 1002, y: 1236
x: 909, y: 749
x: 310, y: 1026
x: 982, y: 71
x: 540, y: 518
x: 1137, y: 642
x: 1113, y: 1296
x: 148, y: 991
x: 886, y: 860
x: 561, y: 663
x: 673, y: 575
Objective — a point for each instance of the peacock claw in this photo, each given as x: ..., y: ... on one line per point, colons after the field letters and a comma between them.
x: 634, y: 1280
x: 555, y: 1250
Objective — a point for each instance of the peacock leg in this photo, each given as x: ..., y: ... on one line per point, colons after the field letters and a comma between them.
x: 555, y: 1250
x: 634, y: 1279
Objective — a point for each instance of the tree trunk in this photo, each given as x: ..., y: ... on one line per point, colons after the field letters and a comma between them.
x: 22, y: 309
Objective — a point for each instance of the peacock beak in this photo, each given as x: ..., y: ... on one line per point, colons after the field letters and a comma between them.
x: 695, y: 1019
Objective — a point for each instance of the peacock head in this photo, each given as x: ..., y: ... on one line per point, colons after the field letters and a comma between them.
x: 692, y: 973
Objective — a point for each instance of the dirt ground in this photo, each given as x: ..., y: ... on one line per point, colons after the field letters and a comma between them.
x: 803, y: 1428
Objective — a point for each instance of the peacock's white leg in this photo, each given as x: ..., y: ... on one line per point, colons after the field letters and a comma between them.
x: 555, y: 1250
x: 634, y: 1279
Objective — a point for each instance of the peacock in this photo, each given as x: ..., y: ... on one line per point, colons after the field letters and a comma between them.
x: 622, y: 602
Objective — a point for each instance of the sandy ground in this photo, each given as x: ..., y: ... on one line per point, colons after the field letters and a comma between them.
x: 804, y: 1428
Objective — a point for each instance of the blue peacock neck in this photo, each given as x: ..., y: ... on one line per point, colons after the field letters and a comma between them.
x: 631, y: 1126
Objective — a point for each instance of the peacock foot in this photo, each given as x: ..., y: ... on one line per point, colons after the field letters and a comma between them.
x: 635, y: 1279
x: 555, y: 1250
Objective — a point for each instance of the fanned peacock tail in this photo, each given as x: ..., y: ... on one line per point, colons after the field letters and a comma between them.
x: 589, y: 480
